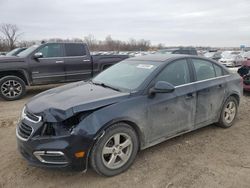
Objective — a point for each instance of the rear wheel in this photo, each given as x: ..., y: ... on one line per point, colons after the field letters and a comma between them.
x: 115, y: 151
x: 228, y: 113
x: 12, y: 88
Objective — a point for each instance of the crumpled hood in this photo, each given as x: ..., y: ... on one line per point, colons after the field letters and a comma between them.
x: 63, y: 102
x: 5, y: 59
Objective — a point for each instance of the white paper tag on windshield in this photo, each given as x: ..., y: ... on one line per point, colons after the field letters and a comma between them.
x: 145, y: 66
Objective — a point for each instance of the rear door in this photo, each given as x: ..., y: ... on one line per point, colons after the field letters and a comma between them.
x: 77, y: 62
x: 50, y: 67
x: 210, y: 85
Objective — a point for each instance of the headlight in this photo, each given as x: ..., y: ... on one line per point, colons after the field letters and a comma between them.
x: 23, y: 113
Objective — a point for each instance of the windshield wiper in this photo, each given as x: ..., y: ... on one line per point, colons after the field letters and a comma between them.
x: 105, y: 85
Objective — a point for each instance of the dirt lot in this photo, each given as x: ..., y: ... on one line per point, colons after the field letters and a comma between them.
x: 209, y: 157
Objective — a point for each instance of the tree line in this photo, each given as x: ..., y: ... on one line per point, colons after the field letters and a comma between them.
x: 10, y: 38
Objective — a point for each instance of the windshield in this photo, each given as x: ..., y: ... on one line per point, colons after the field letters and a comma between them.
x: 228, y: 55
x: 127, y: 75
x: 12, y: 52
x: 28, y: 51
x: 209, y: 54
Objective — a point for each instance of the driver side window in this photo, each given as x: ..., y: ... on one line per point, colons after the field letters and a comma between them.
x: 51, y: 50
x: 176, y: 73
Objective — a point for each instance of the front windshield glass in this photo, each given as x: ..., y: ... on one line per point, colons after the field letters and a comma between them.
x: 209, y: 54
x: 127, y: 75
x: 12, y: 52
x: 28, y: 51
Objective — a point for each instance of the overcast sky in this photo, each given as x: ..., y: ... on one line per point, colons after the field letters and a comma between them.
x: 171, y: 22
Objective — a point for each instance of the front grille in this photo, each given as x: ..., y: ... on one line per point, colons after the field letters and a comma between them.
x: 24, y: 130
x: 32, y: 116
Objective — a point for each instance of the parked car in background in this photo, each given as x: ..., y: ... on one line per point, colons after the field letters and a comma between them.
x: 130, y: 106
x: 50, y: 63
x: 244, y: 72
x: 246, y: 55
x: 2, y: 53
x: 213, y: 55
x: 15, y: 52
x: 231, y: 59
x: 181, y: 50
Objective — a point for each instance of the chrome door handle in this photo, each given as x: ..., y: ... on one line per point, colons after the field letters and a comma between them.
x: 59, y: 62
x: 85, y: 60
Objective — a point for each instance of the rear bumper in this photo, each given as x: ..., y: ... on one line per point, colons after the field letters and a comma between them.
x: 56, y: 152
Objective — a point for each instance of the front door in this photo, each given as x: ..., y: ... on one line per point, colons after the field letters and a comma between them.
x: 50, y: 67
x: 170, y: 114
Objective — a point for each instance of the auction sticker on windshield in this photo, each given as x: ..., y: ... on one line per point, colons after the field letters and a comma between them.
x: 145, y: 66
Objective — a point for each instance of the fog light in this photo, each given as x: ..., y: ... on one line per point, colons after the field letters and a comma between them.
x: 79, y: 154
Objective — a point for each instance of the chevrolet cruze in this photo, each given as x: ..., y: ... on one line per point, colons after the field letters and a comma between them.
x: 102, y: 123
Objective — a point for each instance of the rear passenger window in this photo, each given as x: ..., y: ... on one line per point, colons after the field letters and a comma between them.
x: 75, y: 50
x: 204, y: 69
x: 176, y: 73
x: 218, y: 70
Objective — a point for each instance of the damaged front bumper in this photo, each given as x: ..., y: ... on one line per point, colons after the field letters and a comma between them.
x: 52, y: 151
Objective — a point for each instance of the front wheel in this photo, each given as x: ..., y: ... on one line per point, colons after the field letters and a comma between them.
x: 228, y: 113
x: 12, y: 88
x: 115, y: 151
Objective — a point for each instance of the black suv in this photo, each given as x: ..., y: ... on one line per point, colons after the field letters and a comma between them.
x: 50, y: 63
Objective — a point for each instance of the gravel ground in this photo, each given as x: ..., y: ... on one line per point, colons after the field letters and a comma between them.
x: 208, y: 157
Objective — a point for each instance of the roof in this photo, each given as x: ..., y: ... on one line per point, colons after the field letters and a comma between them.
x: 157, y: 57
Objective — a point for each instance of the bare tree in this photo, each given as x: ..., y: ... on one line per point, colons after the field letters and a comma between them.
x: 91, y: 41
x: 11, y: 34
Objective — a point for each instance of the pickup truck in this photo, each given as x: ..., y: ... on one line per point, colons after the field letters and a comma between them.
x: 50, y: 63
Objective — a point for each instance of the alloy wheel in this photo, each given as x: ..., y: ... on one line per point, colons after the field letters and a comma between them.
x: 117, y: 151
x: 11, y: 88
x: 230, y: 112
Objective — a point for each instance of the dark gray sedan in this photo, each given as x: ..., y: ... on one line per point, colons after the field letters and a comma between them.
x: 131, y: 106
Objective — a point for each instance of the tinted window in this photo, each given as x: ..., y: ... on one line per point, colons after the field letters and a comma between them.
x: 75, y: 50
x: 52, y: 50
x: 218, y: 70
x: 204, y: 69
x: 176, y: 73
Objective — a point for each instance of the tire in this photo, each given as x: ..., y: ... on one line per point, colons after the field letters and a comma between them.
x: 102, y: 163
x: 12, y: 88
x: 225, y: 121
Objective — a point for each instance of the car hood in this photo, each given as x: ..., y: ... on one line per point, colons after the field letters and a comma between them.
x: 6, y: 59
x: 60, y: 103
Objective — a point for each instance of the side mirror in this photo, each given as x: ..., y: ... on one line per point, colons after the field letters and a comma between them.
x: 38, y: 55
x: 162, y: 87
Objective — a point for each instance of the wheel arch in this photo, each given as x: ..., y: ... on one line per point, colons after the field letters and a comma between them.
x: 129, y: 122
x: 101, y: 132
x: 18, y: 73
x: 236, y: 96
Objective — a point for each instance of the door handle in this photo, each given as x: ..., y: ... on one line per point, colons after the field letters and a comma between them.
x: 85, y: 60
x: 59, y: 61
x: 220, y: 86
x: 189, y: 96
